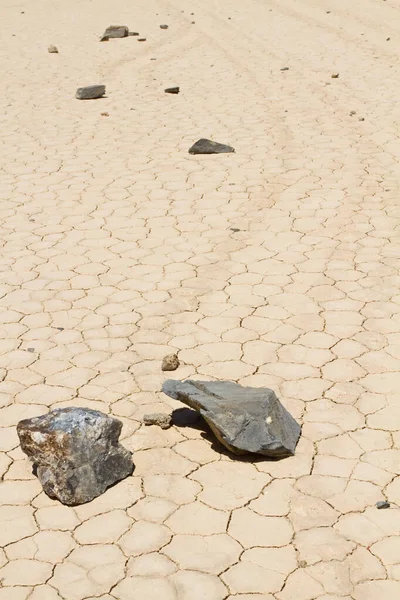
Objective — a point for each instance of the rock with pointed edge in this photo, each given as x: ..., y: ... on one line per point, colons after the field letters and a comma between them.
x: 204, y: 146
x: 244, y: 419
x: 115, y: 31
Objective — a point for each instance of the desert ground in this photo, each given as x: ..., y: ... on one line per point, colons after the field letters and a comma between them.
x: 276, y: 266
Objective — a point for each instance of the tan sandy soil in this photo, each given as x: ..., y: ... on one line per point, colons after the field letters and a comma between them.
x: 111, y: 231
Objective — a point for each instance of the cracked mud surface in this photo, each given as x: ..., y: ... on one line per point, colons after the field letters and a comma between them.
x: 275, y: 266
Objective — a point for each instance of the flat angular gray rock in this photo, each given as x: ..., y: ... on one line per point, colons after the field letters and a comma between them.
x: 245, y: 420
x: 91, y: 92
x: 75, y: 452
x: 115, y: 31
x: 204, y: 146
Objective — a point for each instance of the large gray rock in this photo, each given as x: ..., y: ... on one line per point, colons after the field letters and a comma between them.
x: 244, y: 419
x: 75, y: 452
x: 204, y: 146
x: 91, y: 92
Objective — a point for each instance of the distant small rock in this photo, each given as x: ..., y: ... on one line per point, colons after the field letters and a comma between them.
x: 162, y: 420
x: 285, y: 69
x: 104, y: 114
x: 172, y: 90
x: 234, y: 229
x: 90, y: 92
x: 382, y: 504
x: 163, y: 26
x: 132, y: 33
x: 141, y: 39
x: 204, y: 146
x: 335, y: 75
x: 352, y: 113
x: 52, y: 50
x: 170, y: 362
x: 115, y: 31
x: 361, y: 119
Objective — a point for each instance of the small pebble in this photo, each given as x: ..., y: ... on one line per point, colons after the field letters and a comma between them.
x: 382, y: 504
x: 31, y: 349
x: 352, y: 113
x: 133, y: 33
x: 234, y: 229
x: 388, y: 39
x: 162, y: 420
x: 285, y: 69
x: 141, y: 39
x: 163, y: 26
x: 60, y: 328
x: 335, y: 75
x: 52, y: 50
x: 105, y: 114
x: 361, y: 119
x: 170, y: 362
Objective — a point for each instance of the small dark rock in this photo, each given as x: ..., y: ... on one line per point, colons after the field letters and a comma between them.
x: 75, y: 452
x: 163, y: 26
x: 244, y: 419
x: 172, y: 90
x: 170, y: 362
x: 52, y: 50
x: 382, y: 504
x: 388, y: 39
x: 302, y: 564
x: 132, y: 33
x: 352, y: 113
x: 193, y: 23
x: 31, y: 349
x: 234, y: 229
x: 141, y: 39
x: 335, y: 76
x: 162, y: 420
x: 115, y: 31
x: 285, y: 69
x: 90, y: 92
x: 60, y: 328
x: 105, y: 114
x: 361, y: 119
x: 204, y: 146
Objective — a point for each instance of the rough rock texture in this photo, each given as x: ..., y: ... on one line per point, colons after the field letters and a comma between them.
x: 244, y: 419
x: 170, y: 362
x: 75, y: 452
x: 163, y: 26
x: 90, y: 92
x: 52, y: 49
x: 115, y: 31
x: 204, y: 146
x: 162, y: 420
x: 172, y: 90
